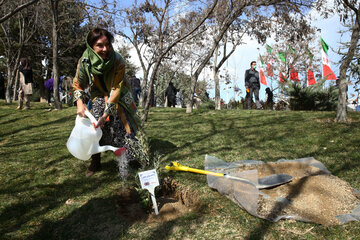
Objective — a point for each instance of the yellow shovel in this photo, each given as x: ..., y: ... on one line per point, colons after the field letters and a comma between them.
x: 265, y: 182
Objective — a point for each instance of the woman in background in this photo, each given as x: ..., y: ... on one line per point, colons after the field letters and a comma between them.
x: 25, y: 86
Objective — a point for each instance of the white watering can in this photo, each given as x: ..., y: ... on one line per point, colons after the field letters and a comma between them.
x: 84, y: 139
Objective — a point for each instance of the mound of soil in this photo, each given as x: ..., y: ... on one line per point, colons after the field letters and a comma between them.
x: 172, y: 203
x: 312, y: 194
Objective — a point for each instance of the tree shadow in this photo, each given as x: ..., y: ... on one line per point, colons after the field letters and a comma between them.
x: 60, y: 120
x: 162, y: 146
x: 111, y: 218
x: 96, y: 219
x: 44, y: 198
x: 10, y: 120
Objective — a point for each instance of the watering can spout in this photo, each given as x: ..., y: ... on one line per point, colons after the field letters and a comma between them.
x: 98, y: 149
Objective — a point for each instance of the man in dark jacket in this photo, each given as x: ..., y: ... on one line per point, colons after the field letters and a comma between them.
x: 252, y: 84
x: 136, y: 87
x: 170, y: 93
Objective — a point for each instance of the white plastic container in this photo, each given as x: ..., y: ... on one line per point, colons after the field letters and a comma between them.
x: 84, y: 139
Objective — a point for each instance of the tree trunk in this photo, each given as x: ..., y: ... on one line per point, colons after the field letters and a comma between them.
x: 11, y: 75
x: 143, y: 94
x: 190, y: 102
x: 16, y: 85
x: 149, y: 90
x: 189, y: 107
x: 8, y: 98
x: 216, y: 80
x: 341, y: 113
x: 54, y: 9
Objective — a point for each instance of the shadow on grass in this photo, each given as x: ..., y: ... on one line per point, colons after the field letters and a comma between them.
x: 165, y: 230
x: 10, y: 120
x: 105, y: 218
x: 251, y: 144
x: 97, y: 219
x: 44, y: 125
x: 41, y: 199
x: 162, y: 146
x: 100, y: 218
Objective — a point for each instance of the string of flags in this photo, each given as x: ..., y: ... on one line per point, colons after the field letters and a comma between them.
x: 327, y: 72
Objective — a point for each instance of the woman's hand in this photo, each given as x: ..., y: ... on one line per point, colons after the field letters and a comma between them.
x: 101, y: 120
x: 81, y: 108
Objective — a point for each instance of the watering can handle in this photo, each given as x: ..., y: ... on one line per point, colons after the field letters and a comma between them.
x: 91, y: 117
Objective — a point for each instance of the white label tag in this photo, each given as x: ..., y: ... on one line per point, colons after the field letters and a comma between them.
x: 149, y: 179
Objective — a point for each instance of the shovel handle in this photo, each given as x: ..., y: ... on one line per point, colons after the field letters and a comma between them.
x: 174, y: 166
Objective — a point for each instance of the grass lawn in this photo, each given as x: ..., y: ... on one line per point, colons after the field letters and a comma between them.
x: 44, y: 193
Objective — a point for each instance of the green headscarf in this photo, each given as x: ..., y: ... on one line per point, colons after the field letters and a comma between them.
x: 91, y: 62
x: 96, y: 64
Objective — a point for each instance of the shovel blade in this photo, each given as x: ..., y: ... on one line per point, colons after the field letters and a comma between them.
x: 273, y: 180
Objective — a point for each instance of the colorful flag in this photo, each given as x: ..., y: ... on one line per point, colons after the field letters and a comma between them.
x: 270, y: 70
x: 294, y: 75
x: 282, y: 56
x: 328, y: 74
x: 262, y: 74
x: 262, y: 77
x: 324, y: 45
x: 268, y: 49
x: 282, y: 77
x: 311, y: 78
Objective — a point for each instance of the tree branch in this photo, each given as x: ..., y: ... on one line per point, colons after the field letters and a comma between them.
x: 19, y: 8
x: 346, y: 2
x: 192, y: 31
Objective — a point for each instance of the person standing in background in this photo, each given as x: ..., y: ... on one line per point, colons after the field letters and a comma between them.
x: 136, y: 87
x: 25, y: 86
x: 252, y: 84
x: 270, y: 99
x: 170, y: 93
x: 49, y: 86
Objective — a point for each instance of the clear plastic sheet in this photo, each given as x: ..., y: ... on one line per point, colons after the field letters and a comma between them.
x: 246, y: 195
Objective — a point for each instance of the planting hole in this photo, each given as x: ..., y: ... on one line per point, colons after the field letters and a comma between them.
x: 173, y: 202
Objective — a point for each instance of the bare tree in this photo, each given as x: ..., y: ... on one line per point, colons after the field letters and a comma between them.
x: 141, y: 31
x: 235, y: 40
x: 54, y: 43
x: 165, y: 40
x: 60, y: 16
x: 14, y: 36
x: 345, y: 8
x: 15, y: 10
